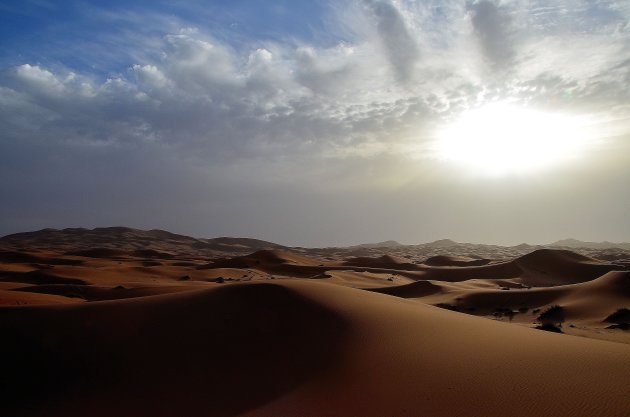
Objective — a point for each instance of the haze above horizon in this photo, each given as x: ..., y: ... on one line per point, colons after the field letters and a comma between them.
x: 318, y: 123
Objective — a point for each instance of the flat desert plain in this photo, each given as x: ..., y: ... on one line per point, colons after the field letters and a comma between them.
x: 125, y: 322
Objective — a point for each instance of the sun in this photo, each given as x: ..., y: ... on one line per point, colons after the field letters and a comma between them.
x: 501, y: 139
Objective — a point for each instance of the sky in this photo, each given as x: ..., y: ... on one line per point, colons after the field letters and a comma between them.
x: 319, y: 123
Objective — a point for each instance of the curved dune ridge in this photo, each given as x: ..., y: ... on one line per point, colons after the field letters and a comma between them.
x: 40, y: 277
x: 217, y: 352
x: 583, y: 303
x: 383, y: 262
x: 542, y: 267
x: 555, y: 267
x: 411, y: 290
x: 451, y: 260
x: 588, y: 300
x: 500, y: 270
x: 620, y: 280
x: 264, y: 258
x: 278, y: 262
x: 111, y: 327
x: 297, y: 348
x: 48, y: 258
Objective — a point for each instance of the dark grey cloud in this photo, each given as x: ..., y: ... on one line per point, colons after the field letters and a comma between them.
x: 492, y: 26
x: 399, y: 43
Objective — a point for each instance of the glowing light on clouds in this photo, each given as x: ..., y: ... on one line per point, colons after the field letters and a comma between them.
x: 501, y: 139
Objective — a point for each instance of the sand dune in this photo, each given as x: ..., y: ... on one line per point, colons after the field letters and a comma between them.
x: 451, y: 260
x: 272, y: 261
x: 556, y: 267
x: 38, y: 257
x: 39, y: 277
x: 411, y: 290
x: 501, y: 270
x: 126, y: 239
x: 280, y: 349
x: 584, y: 305
x: 111, y: 327
x: 543, y: 267
x: 96, y: 293
x: 589, y: 300
x: 15, y: 297
x: 382, y: 262
x: 214, y: 353
x: 264, y: 258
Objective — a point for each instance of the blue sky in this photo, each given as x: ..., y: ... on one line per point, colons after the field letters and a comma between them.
x: 317, y: 123
x: 74, y: 33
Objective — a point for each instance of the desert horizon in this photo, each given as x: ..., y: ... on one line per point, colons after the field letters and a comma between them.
x: 238, y: 326
x: 323, y: 208
x: 561, y: 242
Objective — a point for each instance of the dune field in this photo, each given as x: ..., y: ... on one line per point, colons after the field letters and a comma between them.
x: 119, y: 321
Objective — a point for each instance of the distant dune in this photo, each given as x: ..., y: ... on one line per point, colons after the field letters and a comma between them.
x: 124, y: 322
x: 385, y: 244
x: 95, y: 241
x: 553, y: 267
x: 451, y: 260
x: 574, y: 243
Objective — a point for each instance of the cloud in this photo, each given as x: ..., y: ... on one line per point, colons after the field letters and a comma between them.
x: 151, y: 76
x: 38, y: 80
x: 193, y: 91
x: 491, y: 24
x: 400, y: 46
x: 194, y: 117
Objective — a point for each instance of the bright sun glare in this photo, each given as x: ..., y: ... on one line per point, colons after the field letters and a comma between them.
x: 501, y: 139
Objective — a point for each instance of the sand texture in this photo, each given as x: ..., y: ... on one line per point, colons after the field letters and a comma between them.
x: 124, y: 322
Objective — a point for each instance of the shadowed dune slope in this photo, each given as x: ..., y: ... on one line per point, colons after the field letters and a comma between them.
x: 504, y: 270
x: 39, y: 277
x: 557, y: 267
x: 592, y: 299
x: 272, y: 261
x: 10, y: 256
x: 264, y: 258
x: 18, y: 298
x: 383, y: 262
x: 296, y: 348
x: 211, y: 352
x: 410, y: 290
x: 100, y: 293
x: 543, y: 267
x: 617, y: 281
x: 450, y: 260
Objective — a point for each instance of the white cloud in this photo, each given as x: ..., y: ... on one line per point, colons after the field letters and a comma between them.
x: 312, y: 115
x: 201, y: 91
x: 151, y: 76
x: 38, y: 79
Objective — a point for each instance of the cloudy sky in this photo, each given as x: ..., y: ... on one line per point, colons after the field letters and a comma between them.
x: 318, y: 123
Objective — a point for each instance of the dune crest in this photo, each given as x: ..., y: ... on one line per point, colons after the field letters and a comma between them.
x: 297, y: 348
x: 117, y: 321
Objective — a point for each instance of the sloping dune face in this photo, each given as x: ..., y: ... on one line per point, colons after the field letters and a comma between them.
x: 297, y: 348
x: 557, y: 267
x: 408, y: 359
x: 214, y: 353
x: 446, y: 260
x: 123, y: 322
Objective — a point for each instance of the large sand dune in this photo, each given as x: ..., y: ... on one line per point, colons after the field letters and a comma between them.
x: 297, y: 348
x: 110, y: 327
